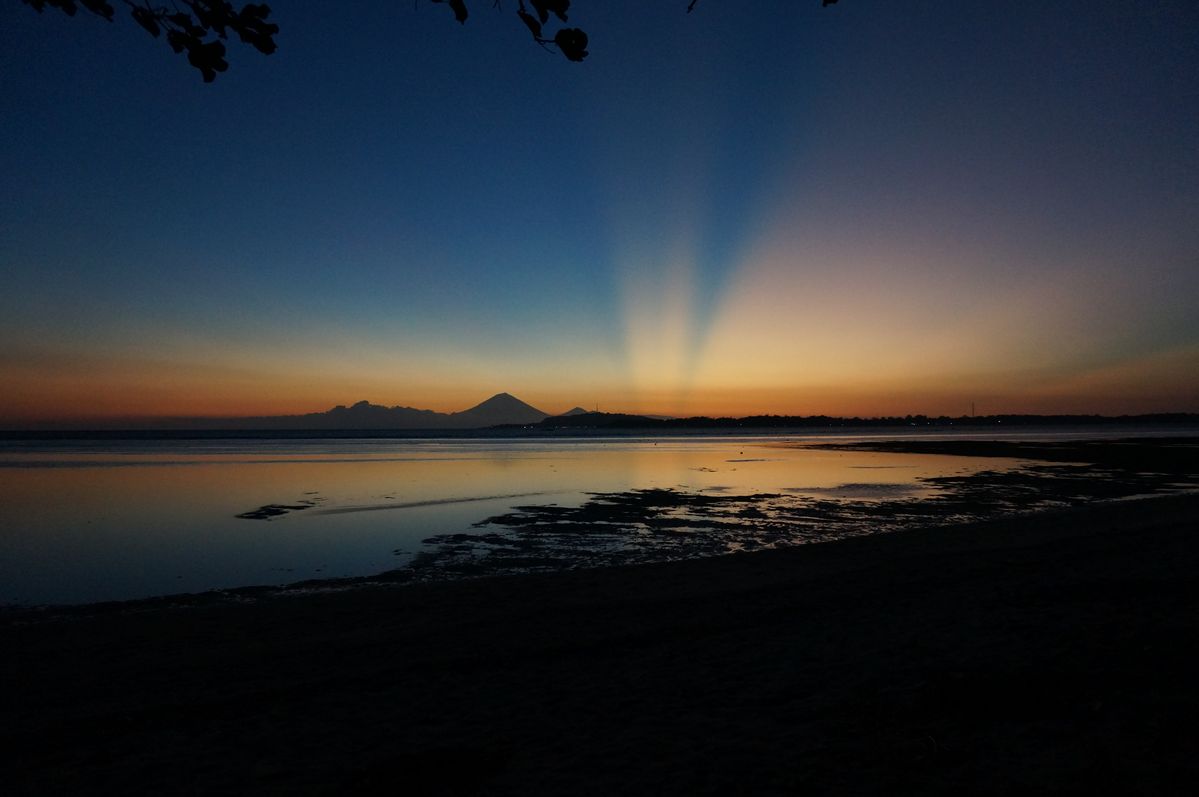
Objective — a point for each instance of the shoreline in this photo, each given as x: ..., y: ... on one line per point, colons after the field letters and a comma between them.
x: 402, y: 578
x: 1049, y: 652
x: 602, y: 424
x: 1055, y: 474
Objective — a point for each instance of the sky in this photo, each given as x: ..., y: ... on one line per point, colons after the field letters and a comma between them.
x: 874, y: 208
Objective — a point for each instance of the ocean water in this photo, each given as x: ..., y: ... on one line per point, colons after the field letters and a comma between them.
x: 84, y: 521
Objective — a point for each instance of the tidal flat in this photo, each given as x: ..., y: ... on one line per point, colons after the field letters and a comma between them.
x: 102, y: 521
x: 1045, y: 652
x: 661, y: 524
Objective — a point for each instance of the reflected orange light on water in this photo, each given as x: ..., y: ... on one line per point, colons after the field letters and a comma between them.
x: 156, y: 518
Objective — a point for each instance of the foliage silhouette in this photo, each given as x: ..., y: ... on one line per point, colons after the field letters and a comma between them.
x: 200, y: 31
x: 201, y: 27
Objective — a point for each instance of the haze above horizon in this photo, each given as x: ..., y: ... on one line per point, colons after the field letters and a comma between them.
x: 863, y: 210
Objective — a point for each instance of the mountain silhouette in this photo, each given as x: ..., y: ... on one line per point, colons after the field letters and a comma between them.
x: 500, y: 409
x: 574, y: 411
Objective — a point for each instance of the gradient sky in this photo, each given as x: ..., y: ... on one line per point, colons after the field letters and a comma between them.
x: 876, y: 208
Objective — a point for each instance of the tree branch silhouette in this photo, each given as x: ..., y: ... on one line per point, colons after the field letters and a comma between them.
x: 200, y: 28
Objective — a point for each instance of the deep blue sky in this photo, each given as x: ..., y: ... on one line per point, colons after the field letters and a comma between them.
x: 875, y: 207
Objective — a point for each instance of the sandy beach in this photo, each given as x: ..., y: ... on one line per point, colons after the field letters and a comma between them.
x: 1051, y: 653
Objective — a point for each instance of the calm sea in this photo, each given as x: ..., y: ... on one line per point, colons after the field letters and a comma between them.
x: 84, y: 521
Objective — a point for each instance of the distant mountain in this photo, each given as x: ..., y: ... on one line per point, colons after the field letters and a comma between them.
x: 362, y: 415
x: 500, y: 409
x: 573, y: 411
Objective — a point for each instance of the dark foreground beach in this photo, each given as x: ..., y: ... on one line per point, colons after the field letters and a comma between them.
x: 1053, y: 653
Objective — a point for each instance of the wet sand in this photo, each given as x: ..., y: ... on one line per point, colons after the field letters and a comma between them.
x: 1048, y: 653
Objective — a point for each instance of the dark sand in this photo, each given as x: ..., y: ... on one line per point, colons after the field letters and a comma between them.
x: 1053, y: 653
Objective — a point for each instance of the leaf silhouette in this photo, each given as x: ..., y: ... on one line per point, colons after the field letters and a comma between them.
x: 209, y: 58
x: 178, y: 41
x: 572, y: 42
x: 146, y: 19
x: 100, y: 8
x: 546, y: 7
x: 198, y: 27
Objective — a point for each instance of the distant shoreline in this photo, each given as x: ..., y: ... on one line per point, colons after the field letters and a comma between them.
x: 611, y: 424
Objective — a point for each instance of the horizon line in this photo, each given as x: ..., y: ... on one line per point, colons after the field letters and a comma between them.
x: 648, y: 421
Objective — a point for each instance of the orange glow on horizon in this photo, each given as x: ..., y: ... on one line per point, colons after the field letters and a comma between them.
x: 1131, y: 388
x: 801, y: 329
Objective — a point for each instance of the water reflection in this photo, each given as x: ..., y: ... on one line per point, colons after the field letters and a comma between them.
x: 121, y: 520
